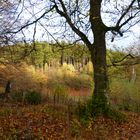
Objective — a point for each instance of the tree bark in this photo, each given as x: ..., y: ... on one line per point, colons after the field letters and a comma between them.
x: 98, y: 57
x: 100, y: 102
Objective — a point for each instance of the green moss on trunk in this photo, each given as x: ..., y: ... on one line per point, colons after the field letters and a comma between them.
x: 99, y: 104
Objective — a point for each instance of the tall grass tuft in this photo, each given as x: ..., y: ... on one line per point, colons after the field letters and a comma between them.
x: 60, y: 93
x: 125, y: 95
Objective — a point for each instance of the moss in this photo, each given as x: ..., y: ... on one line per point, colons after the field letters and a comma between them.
x: 99, y: 105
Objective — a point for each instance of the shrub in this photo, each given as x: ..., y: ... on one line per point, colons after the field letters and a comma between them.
x: 33, y: 97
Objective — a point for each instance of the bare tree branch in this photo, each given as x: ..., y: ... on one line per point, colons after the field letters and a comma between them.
x: 128, y: 60
x: 31, y: 23
x: 120, y: 24
x: 66, y: 16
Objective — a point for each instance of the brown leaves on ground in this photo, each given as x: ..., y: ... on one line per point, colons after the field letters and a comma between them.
x: 107, y: 129
x: 31, y: 122
x: 47, y: 122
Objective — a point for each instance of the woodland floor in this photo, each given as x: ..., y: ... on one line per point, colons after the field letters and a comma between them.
x: 49, y: 122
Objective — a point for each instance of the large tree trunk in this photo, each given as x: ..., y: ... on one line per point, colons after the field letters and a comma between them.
x: 98, y: 55
x: 99, y: 101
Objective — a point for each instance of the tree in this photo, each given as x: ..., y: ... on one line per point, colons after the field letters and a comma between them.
x: 129, y: 12
x: 87, y: 17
